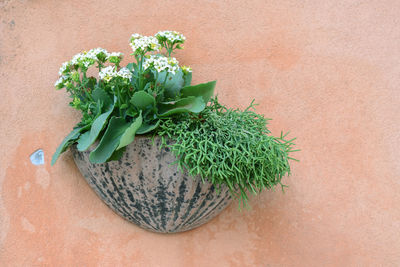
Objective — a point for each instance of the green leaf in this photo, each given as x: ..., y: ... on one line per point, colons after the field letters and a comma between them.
x: 99, y: 105
x: 131, y: 112
x: 187, y: 79
x: 110, y: 140
x: 146, y: 87
x: 173, y: 84
x: 205, y: 90
x: 85, y: 141
x: 141, y: 100
x: 189, y: 104
x: 129, y: 135
x: 131, y: 66
x: 68, y: 140
x: 100, y: 94
x: 91, y: 83
x: 117, y: 155
x: 146, y: 128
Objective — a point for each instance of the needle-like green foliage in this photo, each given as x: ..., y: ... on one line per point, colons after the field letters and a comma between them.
x: 229, y: 147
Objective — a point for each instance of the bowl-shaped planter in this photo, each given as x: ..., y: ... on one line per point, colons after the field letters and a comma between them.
x: 145, y: 188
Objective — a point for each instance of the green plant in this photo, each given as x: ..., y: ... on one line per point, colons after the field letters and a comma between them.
x: 229, y: 147
x: 125, y: 101
x: 154, y: 95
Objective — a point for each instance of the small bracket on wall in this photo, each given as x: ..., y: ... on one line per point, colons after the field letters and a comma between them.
x: 37, y: 157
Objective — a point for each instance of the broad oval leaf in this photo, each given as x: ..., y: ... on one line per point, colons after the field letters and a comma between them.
x: 187, y: 79
x: 146, y: 128
x: 86, y: 140
x: 117, y: 155
x: 205, y: 90
x: 132, y: 67
x: 100, y: 95
x: 189, y: 104
x: 129, y: 135
x: 83, y: 139
x: 68, y: 140
x: 110, y: 140
x: 142, y: 99
x: 173, y: 83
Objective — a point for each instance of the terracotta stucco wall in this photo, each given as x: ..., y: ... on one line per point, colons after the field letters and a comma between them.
x: 328, y: 71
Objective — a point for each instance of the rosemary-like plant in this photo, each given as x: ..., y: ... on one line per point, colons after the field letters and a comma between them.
x: 229, y: 147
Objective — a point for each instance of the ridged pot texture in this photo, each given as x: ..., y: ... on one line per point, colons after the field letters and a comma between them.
x: 146, y: 188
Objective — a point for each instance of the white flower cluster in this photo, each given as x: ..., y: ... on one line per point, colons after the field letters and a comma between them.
x: 114, y: 57
x: 107, y: 73
x: 114, y: 54
x: 125, y: 73
x: 171, y: 36
x: 84, y: 58
x: 89, y: 58
x: 186, y: 69
x: 140, y: 43
x: 161, y: 63
x: 96, y: 52
x: 64, y: 67
x: 61, y: 81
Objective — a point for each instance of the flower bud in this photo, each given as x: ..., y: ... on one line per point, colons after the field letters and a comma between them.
x: 75, y: 76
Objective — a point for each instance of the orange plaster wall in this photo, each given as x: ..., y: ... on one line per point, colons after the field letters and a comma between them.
x: 328, y: 71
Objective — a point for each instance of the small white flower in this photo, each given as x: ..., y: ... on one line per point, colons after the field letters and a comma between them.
x: 136, y: 36
x: 115, y: 57
x: 161, y: 63
x: 75, y: 60
x: 186, y: 69
x: 140, y: 44
x: 107, y: 73
x: 79, y: 58
x: 63, y: 68
x: 115, y: 54
x: 88, y: 58
x: 60, y: 81
x: 125, y: 73
x: 172, y: 37
x: 97, y: 54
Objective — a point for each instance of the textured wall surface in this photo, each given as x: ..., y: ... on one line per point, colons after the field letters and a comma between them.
x: 328, y: 71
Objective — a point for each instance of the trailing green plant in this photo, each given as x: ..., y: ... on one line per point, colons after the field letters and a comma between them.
x: 229, y: 147
x: 122, y: 102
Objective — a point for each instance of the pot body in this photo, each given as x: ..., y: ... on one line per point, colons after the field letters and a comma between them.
x: 146, y: 188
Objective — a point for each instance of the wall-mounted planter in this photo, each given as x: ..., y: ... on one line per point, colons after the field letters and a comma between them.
x: 146, y: 189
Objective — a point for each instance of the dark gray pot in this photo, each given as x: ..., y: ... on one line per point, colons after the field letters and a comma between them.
x: 146, y: 189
